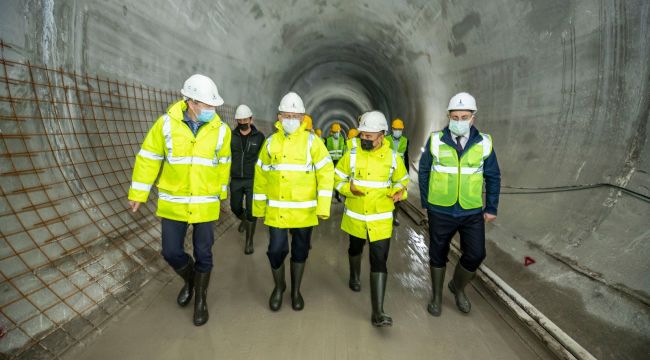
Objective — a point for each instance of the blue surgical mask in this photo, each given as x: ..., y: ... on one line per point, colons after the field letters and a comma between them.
x: 459, y: 128
x: 397, y: 134
x: 206, y: 115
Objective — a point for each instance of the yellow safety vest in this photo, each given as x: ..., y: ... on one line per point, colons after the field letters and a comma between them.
x: 454, y: 179
x: 293, y: 180
x: 379, y: 174
x: 195, y: 170
x: 399, y: 145
x: 336, y: 147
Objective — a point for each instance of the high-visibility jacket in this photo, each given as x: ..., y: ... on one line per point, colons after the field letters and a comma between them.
x: 336, y: 147
x: 293, y: 180
x: 453, y: 179
x: 399, y: 145
x: 379, y: 174
x: 195, y: 170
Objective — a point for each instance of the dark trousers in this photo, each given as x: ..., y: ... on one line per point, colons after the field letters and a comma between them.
x: 240, y: 188
x: 336, y: 193
x: 279, y: 245
x: 378, y: 252
x: 173, y: 238
x: 471, y: 229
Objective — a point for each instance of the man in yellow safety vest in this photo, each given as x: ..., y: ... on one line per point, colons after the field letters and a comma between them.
x: 336, y: 147
x: 292, y: 189
x: 400, y: 144
x: 455, y: 164
x: 372, y: 177
x: 192, y: 145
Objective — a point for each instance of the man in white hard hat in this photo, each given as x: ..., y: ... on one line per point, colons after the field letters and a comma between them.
x: 245, y: 146
x: 192, y: 145
x: 456, y: 163
x: 372, y: 177
x: 293, y: 185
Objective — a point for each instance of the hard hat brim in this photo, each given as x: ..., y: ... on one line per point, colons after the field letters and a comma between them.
x: 217, y: 102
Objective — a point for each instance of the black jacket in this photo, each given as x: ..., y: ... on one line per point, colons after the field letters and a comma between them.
x: 244, y: 159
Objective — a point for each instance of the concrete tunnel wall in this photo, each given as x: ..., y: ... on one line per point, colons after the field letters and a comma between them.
x: 561, y: 85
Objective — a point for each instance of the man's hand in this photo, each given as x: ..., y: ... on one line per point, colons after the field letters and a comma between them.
x: 323, y: 217
x: 134, y: 205
x: 397, y: 196
x: 489, y: 217
x: 354, y: 190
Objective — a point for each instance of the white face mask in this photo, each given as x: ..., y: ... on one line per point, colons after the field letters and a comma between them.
x: 459, y: 128
x: 397, y: 134
x: 335, y: 135
x: 290, y: 125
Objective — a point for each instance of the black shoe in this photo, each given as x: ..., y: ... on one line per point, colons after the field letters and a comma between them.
x: 437, y: 280
x: 275, y: 301
x: 201, y: 281
x: 250, y: 232
x: 297, y: 269
x: 457, y: 285
x: 377, y: 291
x: 187, y: 274
x: 355, y: 273
x: 395, y: 219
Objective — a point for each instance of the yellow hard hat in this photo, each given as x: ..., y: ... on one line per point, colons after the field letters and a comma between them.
x: 398, y: 124
x: 352, y: 133
x: 336, y: 127
x: 319, y: 132
x: 308, y: 121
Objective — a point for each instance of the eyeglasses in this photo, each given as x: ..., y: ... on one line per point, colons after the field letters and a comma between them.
x: 292, y: 116
x: 464, y: 118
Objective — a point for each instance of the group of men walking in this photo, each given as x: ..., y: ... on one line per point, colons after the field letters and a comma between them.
x: 288, y: 178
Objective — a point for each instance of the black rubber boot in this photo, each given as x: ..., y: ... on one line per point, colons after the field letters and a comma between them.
x: 187, y: 274
x: 250, y: 232
x: 201, y: 281
x: 395, y: 219
x: 437, y: 280
x: 275, y: 301
x: 377, y: 291
x: 297, y: 269
x: 242, y: 222
x: 355, y: 273
x: 457, y: 285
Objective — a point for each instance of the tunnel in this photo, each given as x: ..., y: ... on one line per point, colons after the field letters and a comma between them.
x: 562, y: 86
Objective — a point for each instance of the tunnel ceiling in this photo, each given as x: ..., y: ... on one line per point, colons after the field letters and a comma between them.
x: 561, y: 85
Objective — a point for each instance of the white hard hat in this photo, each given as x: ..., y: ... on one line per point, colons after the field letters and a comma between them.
x: 243, y: 112
x: 462, y: 101
x: 292, y: 103
x: 201, y: 88
x: 373, y: 121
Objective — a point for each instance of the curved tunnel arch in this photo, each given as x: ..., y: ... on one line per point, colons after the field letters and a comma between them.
x: 561, y: 85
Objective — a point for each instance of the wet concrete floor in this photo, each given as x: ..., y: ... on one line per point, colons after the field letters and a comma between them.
x: 335, y: 323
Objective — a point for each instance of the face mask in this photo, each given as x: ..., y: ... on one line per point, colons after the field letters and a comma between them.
x: 459, y: 128
x: 290, y: 125
x: 397, y: 134
x: 367, y: 144
x: 336, y: 135
x: 206, y: 115
x: 244, y: 127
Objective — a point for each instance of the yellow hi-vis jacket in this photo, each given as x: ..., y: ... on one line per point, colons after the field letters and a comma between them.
x: 379, y: 174
x: 195, y: 170
x: 294, y: 177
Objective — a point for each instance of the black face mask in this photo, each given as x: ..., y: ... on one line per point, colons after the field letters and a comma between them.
x: 367, y: 144
x: 244, y: 127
